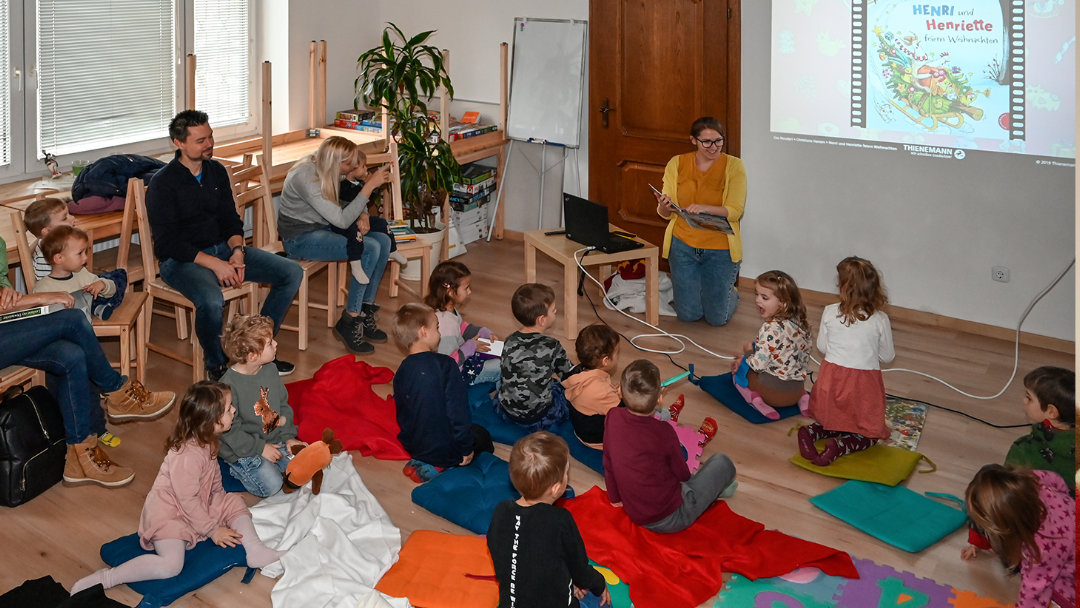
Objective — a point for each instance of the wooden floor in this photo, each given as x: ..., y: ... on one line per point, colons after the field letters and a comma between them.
x: 59, y: 532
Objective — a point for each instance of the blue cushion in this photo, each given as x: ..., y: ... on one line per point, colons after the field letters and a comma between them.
x: 468, y: 495
x: 230, y: 483
x: 723, y: 389
x: 202, y: 564
x: 506, y: 432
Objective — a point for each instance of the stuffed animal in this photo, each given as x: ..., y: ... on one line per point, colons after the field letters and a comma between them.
x: 308, y: 463
x: 270, y: 418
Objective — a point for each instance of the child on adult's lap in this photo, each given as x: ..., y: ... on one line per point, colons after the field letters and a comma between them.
x: 848, y: 399
x: 257, y: 457
x: 431, y: 400
x: 532, y: 363
x: 449, y: 288
x: 187, y: 503
x: 777, y: 358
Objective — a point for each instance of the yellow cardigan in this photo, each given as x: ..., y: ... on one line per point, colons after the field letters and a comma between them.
x: 683, y: 167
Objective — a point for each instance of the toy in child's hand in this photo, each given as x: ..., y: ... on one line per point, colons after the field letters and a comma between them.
x: 308, y: 463
x: 270, y: 418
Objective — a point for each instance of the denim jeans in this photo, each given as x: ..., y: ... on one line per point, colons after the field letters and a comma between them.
x: 64, y: 346
x: 323, y: 245
x: 260, y: 476
x: 703, y: 281
x: 200, y: 285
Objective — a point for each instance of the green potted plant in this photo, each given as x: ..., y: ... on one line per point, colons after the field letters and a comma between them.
x: 401, y: 75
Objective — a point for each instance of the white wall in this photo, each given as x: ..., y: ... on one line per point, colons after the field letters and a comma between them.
x: 933, y: 232
x: 934, y: 228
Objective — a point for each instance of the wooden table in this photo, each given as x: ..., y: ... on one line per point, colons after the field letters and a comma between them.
x: 561, y: 249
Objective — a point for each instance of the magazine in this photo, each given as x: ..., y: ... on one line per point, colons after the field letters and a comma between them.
x: 701, y: 221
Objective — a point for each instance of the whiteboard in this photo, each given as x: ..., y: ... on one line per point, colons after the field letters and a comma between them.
x: 547, y: 81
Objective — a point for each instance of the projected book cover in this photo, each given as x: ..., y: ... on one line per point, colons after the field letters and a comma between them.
x: 989, y: 75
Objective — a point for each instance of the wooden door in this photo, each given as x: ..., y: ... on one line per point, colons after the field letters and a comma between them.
x: 654, y: 67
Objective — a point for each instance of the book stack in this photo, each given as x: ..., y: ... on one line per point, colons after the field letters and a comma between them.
x: 458, y: 131
x: 469, y: 200
x: 360, y: 120
x: 401, y: 231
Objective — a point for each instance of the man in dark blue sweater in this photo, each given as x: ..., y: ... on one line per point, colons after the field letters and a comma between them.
x: 199, y: 239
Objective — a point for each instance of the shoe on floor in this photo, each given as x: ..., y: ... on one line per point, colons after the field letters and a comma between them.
x: 284, y: 368
x: 371, y: 332
x: 350, y: 330
x: 87, y: 463
x: 133, y: 402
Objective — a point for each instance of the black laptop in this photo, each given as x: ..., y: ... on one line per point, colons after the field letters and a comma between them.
x: 587, y: 223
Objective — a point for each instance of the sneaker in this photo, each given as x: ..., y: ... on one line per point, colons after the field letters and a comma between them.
x: 398, y: 257
x: 420, y: 472
x: 133, y: 402
x: 677, y: 408
x: 284, y: 368
x: 109, y: 440
x: 371, y: 332
x: 87, y: 463
x: 708, y: 431
x: 215, y: 373
x: 350, y: 330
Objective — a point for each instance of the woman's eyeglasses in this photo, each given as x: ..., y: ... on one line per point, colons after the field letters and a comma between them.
x: 710, y: 143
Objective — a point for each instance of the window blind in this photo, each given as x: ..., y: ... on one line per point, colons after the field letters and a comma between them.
x: 105, y: 72
x: 5, y: 84
x: 223, y: 61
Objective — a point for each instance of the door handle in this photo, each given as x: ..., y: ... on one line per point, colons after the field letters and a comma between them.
x: 605, y: 107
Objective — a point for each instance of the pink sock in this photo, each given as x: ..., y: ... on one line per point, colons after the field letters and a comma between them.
x: 804, y: 403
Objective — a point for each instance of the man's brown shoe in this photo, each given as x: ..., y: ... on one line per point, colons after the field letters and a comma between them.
x: 87, y: 463
x: 133, y: 402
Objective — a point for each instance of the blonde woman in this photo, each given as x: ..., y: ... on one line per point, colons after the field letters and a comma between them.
x: 317, y: 223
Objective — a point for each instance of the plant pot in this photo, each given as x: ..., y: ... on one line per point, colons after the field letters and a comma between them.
x: 411, y: 271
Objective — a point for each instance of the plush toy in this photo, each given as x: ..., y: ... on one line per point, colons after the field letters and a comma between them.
x: 308, y: 463
x: 270, y: 418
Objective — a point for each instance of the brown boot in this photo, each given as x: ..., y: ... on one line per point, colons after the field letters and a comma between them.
x: 133, y: 402
x: 87, y: 463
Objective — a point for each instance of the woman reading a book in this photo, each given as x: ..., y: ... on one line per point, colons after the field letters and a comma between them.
x: 323, y: 216
x: 704, y: 259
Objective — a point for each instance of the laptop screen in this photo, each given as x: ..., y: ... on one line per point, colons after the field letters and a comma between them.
x: 586, y: 221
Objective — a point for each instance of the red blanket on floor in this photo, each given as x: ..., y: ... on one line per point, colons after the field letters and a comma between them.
x: 684, y: 569
x: 339, y: 396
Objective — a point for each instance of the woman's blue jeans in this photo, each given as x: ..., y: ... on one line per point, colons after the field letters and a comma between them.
x: 703, y: 281
x: 325, y: 246
x: 64, y: 346
x: 200, y: 285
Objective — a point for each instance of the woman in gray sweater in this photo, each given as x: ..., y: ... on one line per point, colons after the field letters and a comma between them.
x: 312, y: 221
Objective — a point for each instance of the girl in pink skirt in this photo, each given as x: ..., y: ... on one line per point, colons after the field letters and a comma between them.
x: 848, y: 399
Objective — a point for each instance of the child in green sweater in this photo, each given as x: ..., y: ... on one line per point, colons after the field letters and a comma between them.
x: 1050, y: 405
x: 258, y: 446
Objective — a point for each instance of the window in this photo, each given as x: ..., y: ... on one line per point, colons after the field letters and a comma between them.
x: 89, y: 78
x: 106, y: 73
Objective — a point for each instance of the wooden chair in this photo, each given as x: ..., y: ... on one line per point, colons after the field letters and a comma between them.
x: 411, y: 250
x: 128, y: 321
x: 251, y: 187
x: 156, y: 288
x: 17, y: 375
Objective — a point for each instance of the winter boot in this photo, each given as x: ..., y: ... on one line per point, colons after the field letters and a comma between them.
x: 350, y: 330
x: 372, y: 333
x: 841, y: 446
x: 87, y: 463
x: 133, y: 402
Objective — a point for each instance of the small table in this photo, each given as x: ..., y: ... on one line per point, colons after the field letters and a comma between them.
x: 561, y: 249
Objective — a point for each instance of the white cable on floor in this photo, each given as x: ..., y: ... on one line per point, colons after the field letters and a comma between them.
x: 1016, y: 350
x: 663, y: 334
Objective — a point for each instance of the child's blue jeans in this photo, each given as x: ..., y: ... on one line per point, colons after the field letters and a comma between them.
x: 260, y: 476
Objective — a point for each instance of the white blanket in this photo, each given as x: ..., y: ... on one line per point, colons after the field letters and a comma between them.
x: 339, y: 543
x: 629, y: 295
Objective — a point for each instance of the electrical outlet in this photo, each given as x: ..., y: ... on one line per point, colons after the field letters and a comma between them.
x: 1000, y: 274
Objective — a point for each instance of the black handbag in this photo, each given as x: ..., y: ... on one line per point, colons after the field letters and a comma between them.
x: 32, y: 446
